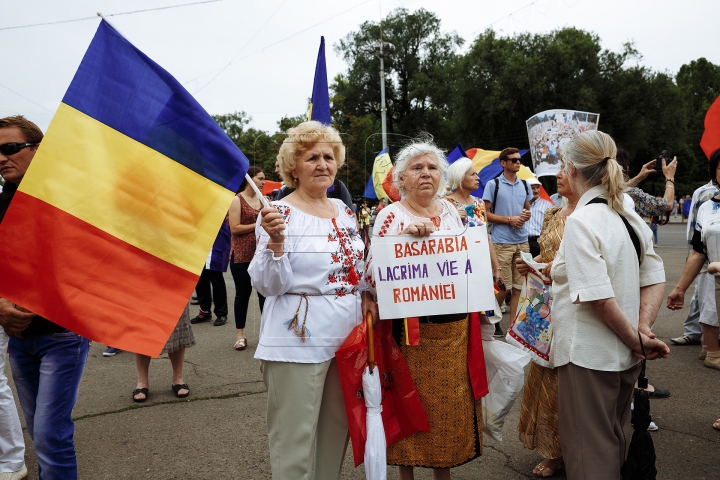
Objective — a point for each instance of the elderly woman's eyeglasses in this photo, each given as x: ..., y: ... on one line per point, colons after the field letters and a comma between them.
x: 14, y: 147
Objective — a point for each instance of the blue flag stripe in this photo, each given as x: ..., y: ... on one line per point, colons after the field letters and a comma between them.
x: 121, y: 87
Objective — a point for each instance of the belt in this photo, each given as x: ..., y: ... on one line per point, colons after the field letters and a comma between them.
x: 294, y: 325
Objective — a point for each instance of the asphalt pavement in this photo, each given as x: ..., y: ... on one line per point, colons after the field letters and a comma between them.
x: 219, y: 432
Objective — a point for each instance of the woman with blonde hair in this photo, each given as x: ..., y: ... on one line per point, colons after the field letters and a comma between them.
x: 308, y: 263
x: 608, y: 285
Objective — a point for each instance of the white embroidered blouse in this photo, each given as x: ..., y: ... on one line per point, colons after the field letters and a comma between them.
x: 392, y: 220
x: 323, y: 258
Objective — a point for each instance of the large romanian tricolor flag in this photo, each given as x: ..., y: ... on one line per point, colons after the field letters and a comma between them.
x: 115, y: 217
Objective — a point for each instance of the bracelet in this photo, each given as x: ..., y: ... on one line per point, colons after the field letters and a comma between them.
x: 509, y: 220
x: 670, y: 186
x: 496, y: 269
x: 669, y: 180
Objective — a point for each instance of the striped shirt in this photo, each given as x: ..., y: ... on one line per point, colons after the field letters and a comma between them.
x: 537, y: 212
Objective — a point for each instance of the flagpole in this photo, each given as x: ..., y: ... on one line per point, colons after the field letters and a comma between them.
x: 264, y: 202
x: 383, y: 110
x: 99, y: 14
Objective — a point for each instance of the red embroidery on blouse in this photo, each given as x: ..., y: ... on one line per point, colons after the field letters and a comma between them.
x: 386, y: 225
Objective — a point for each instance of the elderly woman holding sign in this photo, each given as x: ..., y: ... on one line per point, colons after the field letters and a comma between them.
x: 308, y: 263
x: 439, y: 363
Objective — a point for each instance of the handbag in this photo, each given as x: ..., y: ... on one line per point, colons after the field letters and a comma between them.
x: 531, y: 328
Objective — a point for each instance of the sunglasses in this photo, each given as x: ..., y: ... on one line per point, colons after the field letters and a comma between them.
x: 14, y: 147
x: 513, y: 160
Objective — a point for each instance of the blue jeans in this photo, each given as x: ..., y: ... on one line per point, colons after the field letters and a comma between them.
x: 654, y: 228
x: 47, y: 370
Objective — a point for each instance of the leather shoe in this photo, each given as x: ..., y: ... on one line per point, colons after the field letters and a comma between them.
x: 659, y: 393
x: 221, y: 320
x: 201, y: 318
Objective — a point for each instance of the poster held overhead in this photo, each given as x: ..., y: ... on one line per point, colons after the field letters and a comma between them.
x: 549, y: 131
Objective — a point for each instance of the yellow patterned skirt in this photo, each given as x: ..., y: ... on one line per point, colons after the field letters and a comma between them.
x: 538, y: 425
x: 439, y: 369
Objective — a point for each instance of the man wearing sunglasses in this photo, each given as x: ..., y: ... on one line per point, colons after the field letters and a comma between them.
x: 47, y: 360
x: 507, y: 203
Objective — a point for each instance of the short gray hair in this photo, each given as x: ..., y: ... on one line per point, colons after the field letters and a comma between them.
x: 414, y: 150
x: 456, y: 171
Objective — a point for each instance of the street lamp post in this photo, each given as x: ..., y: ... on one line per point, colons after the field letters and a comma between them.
x: 381, y: 50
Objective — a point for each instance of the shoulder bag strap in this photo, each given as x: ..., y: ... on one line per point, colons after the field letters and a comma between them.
x: 631, y: 231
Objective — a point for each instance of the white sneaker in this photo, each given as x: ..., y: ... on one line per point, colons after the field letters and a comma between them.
x: 19, y: 475
x: 652, y: 427
x: 504, y: 309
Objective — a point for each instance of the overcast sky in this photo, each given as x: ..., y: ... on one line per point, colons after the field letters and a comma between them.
x: 268, y: 79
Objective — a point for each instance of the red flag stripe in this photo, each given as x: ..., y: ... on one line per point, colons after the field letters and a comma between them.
x: 76, y: 279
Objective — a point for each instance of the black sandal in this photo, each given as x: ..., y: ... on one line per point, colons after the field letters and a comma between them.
x: 181, y: 386
x: 144, y: 391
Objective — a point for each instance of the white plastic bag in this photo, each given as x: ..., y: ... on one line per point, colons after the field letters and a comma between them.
x: 506, y: 376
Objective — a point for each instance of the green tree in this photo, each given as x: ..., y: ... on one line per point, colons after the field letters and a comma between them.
x: 699, y: 83
x: 416, y: 83
x: 258, y: 146
x: 417, y: 90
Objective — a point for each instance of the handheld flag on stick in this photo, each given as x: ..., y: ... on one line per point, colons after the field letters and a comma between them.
x: 263, y: 200
x: 121, y: 204
x: 320, y: 101
x: 382, y: 177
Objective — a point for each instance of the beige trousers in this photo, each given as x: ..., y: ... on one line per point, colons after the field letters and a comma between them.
x: 594, y: 420
x: 307, y: 426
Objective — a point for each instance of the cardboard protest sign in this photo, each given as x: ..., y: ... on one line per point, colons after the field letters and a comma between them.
x: 447, y: 272
x: 550, y: 130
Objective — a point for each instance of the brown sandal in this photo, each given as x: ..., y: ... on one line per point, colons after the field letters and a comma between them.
x: 241, y: 344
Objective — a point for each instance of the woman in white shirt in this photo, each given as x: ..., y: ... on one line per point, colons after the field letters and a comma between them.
x: 607, y: 291
x: 308, y: 263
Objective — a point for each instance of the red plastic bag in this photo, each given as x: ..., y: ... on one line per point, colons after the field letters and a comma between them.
x: 403, y: 413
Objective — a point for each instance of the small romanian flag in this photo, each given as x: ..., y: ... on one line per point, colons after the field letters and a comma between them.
x: 115, y: 217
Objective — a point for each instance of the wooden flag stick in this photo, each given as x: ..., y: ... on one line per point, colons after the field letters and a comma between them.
x: 371, y: 341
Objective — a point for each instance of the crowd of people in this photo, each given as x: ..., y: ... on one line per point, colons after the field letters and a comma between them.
x: 307, y: 256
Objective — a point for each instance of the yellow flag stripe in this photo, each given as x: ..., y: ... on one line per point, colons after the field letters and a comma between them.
x: 127, y: 189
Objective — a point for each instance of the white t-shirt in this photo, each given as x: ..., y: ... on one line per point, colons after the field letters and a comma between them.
x: 708, y: 224
x: 317, y: 255
x: 596, y: 260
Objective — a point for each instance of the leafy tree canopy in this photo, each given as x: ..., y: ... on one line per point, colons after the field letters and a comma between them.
x: 483, y: 97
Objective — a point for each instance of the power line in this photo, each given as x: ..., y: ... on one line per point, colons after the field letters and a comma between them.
x: 109, y: 15
x: 274, y: 44
x: 23, y: 96
x: 241, y: 50
x: 506, y: 16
